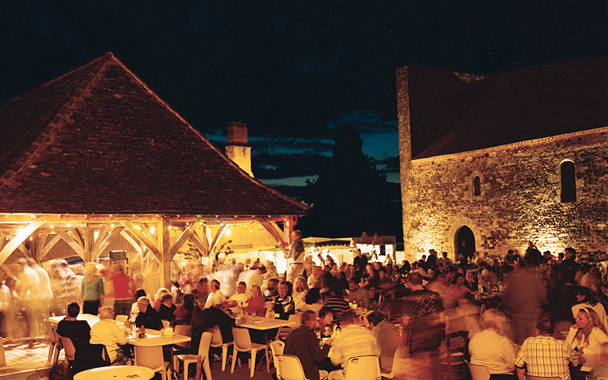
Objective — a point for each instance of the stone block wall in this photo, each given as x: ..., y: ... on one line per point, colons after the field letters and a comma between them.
x: 519, y: 200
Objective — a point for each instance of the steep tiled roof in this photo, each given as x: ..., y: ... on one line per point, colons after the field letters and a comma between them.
x: 98, y: 140
x: 526, y: 104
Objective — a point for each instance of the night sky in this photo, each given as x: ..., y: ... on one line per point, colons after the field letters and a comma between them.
x: 293, y: 71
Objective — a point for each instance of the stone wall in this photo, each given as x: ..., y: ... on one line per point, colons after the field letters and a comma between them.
x: 519, y: 200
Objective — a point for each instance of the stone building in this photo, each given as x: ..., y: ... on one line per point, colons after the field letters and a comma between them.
x: 517, y: 156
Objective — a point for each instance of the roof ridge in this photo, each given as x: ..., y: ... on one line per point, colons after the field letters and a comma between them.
x: 25, y: 158
x: 201, y: 136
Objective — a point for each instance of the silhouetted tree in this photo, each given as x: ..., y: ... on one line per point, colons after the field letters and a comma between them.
x: 351, y: 195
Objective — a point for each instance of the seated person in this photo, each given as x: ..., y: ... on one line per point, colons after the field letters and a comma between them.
x: 78, y: 331
x: 204, y: 321
x: 256, y: 303
x: 283, y: 303
x: 271, y: 289
x: 354, y: 340
x: 147, y: 317
x: 304, y: 344
x: 183, y: 313
x: 106, y: 332
x: 166, y: 309
x: 134, y: 309
x: 491, y: 349
x: 238, y: 298
x: 216, y: 297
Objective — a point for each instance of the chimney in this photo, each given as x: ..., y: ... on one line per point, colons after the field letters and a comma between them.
x: 237, y: 149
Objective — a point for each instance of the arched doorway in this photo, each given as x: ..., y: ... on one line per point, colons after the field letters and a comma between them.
x: 464, y: 242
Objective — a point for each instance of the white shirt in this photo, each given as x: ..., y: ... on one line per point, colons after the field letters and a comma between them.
x: 239, y: 298
x: 596, y: 338
x: 215, y: 299
x: 106, y: 332
x: 493, y: 351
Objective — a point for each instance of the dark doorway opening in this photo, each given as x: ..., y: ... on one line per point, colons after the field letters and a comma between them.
x: 465, y: 242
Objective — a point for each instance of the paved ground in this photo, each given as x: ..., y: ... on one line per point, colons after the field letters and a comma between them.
x: 25, y: 362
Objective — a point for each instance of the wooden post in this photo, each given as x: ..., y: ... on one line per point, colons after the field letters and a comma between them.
x: 164, y: 245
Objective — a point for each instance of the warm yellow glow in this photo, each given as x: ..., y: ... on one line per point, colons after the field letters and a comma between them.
x: 95, y: 235
x: 170, y: 227
x: 112, y: 225
x: 137, y: 227
x: 152, y: 230
x: 69, y: 224
x: 228, y: 232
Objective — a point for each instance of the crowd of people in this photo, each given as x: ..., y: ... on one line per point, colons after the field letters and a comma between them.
x: 515, y: 310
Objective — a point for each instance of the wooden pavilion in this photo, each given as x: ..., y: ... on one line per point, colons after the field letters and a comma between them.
x: 95, y: 157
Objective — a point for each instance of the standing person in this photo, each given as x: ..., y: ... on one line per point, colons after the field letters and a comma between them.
x: 29, y: 290
x: 387, y: 336
x: 359, y: 262
x: 295, y: 257
x: 121, y: 283
x: 543, y: 355
x: 92, y: 290
x: 304, y: 344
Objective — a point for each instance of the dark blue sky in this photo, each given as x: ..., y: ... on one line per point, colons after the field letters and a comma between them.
x: 292, y: 70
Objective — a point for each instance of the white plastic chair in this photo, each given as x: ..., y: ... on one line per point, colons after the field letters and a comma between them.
x: 54, y: 342
x: 203, y: 357
x: 242, y: 343
x: 479, y: 372
x: 151, y: 357
x: 218, y: 341
x: 362, y: 368
x: 290, y: 368
x: 277, y: 347
x: 530, y: 377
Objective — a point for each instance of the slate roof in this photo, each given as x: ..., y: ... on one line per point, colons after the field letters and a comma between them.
x: 98, y: 140
x: 540, y: 101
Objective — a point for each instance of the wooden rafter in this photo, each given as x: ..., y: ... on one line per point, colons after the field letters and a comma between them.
x: 73, y: 241
x: 200, y: 241
x: 217, y: 237
x: 131, y: 240
x: 104, y: 241
x: 185, y: 235
x: 16, y: 241
x: 138, y: 233
x: 276, y: 232
x: 46, y: 248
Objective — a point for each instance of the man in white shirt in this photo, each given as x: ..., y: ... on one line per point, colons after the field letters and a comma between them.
x: 240, y: 296
x: 106, y: 332
x: 216, y: 297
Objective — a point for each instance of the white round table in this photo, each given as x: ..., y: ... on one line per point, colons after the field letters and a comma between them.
x: 116, y: 372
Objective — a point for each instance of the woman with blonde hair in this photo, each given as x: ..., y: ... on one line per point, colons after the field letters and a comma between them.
x: 300, y: 290
x: 491, y: 349
x: 92, y: 289
x: 588, y: 333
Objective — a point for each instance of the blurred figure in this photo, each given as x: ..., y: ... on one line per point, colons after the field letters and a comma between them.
x: 299, y: 292
x: 601, y: 369
x: 523, y: 295
x: 304, y: 344
x: 159, y: 294
x: 387, y: 336
x: 35, y: 297
x: 167, y: 309
x: 295, y: 256
x: 201, y: 292
x: 92, y: 290
x: 121, y: 285
x: 183, y: 313
x: 491, y: 349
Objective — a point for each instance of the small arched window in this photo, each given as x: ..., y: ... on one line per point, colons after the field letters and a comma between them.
x: 476, y: 186
x: 568, y: 182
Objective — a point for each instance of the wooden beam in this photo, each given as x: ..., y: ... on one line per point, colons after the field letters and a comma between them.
x: 142, y: 237
x: 26, y: 252
x: 200, y: 242
x: 104, y: 241
x: 16, y: 241
x: 74, y: 242
x: 127, y: 236
x: 217, y: 237
x: 277, y: 233
x: 185, y: 235
x: 46, y: 248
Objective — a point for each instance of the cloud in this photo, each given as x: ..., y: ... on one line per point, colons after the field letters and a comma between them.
x: 273, y: 166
